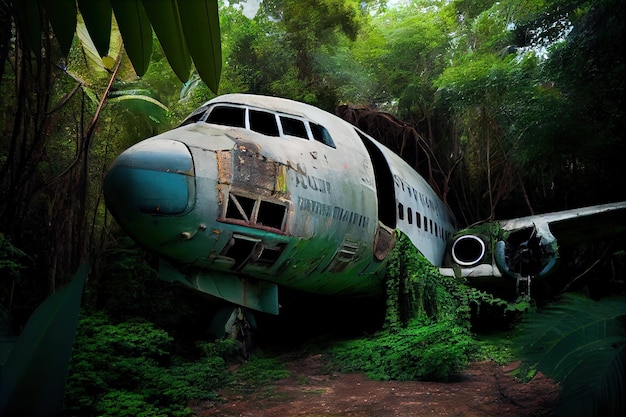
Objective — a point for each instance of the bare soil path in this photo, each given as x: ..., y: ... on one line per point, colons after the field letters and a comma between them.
x: 315, y: 390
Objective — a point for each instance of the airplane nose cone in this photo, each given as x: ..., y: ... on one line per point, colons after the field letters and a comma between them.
x: 154, y: 177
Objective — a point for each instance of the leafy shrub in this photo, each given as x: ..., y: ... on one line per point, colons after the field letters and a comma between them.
x: 127, y: 404
x: 128, y: 369
x: 419, y: 351
x: 416, y: 290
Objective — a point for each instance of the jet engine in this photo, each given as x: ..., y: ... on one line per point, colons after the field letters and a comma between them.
x: 468, y: 250
x: 489, y: 250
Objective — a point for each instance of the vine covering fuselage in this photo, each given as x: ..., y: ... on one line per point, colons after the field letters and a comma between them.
x: 252, y: 193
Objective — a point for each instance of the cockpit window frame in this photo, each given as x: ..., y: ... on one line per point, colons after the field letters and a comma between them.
x: 315, y: 132
x: 263, y: 126
x: 198, y: 115
x: 307, y: 132
x: 211, y: 109
x: 321, y: 134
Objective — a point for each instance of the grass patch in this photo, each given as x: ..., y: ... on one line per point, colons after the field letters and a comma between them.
x: 499, y: 348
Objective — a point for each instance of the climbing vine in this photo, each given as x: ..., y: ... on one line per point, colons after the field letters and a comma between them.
x: 427, y: 333
x: 427, y: 328
x: 416, y: 290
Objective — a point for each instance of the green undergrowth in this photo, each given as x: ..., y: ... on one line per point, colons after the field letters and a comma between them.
x: 419, y: 351
x: 258, y: 372
x: 427, y: 333
x: 126, y: 366
x: 130, y: 369
x: 500, y: 348
x: 133, y: 368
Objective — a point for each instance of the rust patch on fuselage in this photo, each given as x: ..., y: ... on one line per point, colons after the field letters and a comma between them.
x: 245, y: 168
x: 253, y: 189
x: 224, y: 167
x: 252, y: 171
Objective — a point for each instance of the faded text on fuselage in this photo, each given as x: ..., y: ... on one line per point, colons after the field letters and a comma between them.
x: 313, y: 183
x: 334, y: 212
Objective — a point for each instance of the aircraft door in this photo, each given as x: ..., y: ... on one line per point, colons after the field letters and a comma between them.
x: 386, y: 200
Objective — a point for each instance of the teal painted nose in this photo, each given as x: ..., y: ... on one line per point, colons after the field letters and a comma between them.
x: 153, y: 177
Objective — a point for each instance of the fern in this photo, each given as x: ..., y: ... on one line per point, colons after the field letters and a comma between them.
x: 582, y: 344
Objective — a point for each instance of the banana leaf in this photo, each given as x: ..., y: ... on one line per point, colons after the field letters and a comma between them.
x: 202, y: 34
x: 141, y: 104
x: 97, y: 15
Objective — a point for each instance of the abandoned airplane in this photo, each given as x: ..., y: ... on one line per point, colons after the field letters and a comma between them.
x: 253, y: 193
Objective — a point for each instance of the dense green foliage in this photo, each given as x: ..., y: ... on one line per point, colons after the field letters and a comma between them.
x: 417, y: 291
x: 427, y: 333
x: 132, y: 368
x: 129, y: 368
x: 419, y: 351
x: 582, y: 344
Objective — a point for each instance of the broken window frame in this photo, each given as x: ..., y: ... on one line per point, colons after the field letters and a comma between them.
x: 255, y: 211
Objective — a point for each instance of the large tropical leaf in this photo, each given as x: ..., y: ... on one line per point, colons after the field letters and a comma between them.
x: 140, y: 102
x: 202, y: 34
x: 62, y: 15
x: 33, y: 379
x: 135, y: 28
x: 186, y: 30
x: 166, y: 23
x: 93, y: 58
x: 582, y: 344
x: 97, y: 15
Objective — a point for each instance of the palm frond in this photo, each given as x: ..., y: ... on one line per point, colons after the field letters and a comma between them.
x: 582, y: 344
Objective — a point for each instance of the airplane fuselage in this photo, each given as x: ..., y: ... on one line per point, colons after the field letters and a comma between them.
x: 251, y: 193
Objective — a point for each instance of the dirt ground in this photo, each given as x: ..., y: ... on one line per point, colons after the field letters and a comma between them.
x: 314, y: 390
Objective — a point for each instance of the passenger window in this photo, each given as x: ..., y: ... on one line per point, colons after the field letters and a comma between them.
x: 409, y: 214
x: 293, y: 127
x: 263, y: 122
x: 228, y: 116
x: 401, y: 211
x: 418, y: 219
x: 320, y: 134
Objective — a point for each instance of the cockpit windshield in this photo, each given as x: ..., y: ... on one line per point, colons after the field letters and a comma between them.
x: 262, y: 121
x: 227, y: 116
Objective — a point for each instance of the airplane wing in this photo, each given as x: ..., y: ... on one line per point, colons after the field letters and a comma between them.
x: 577, y: 225
x: 528, y: 247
